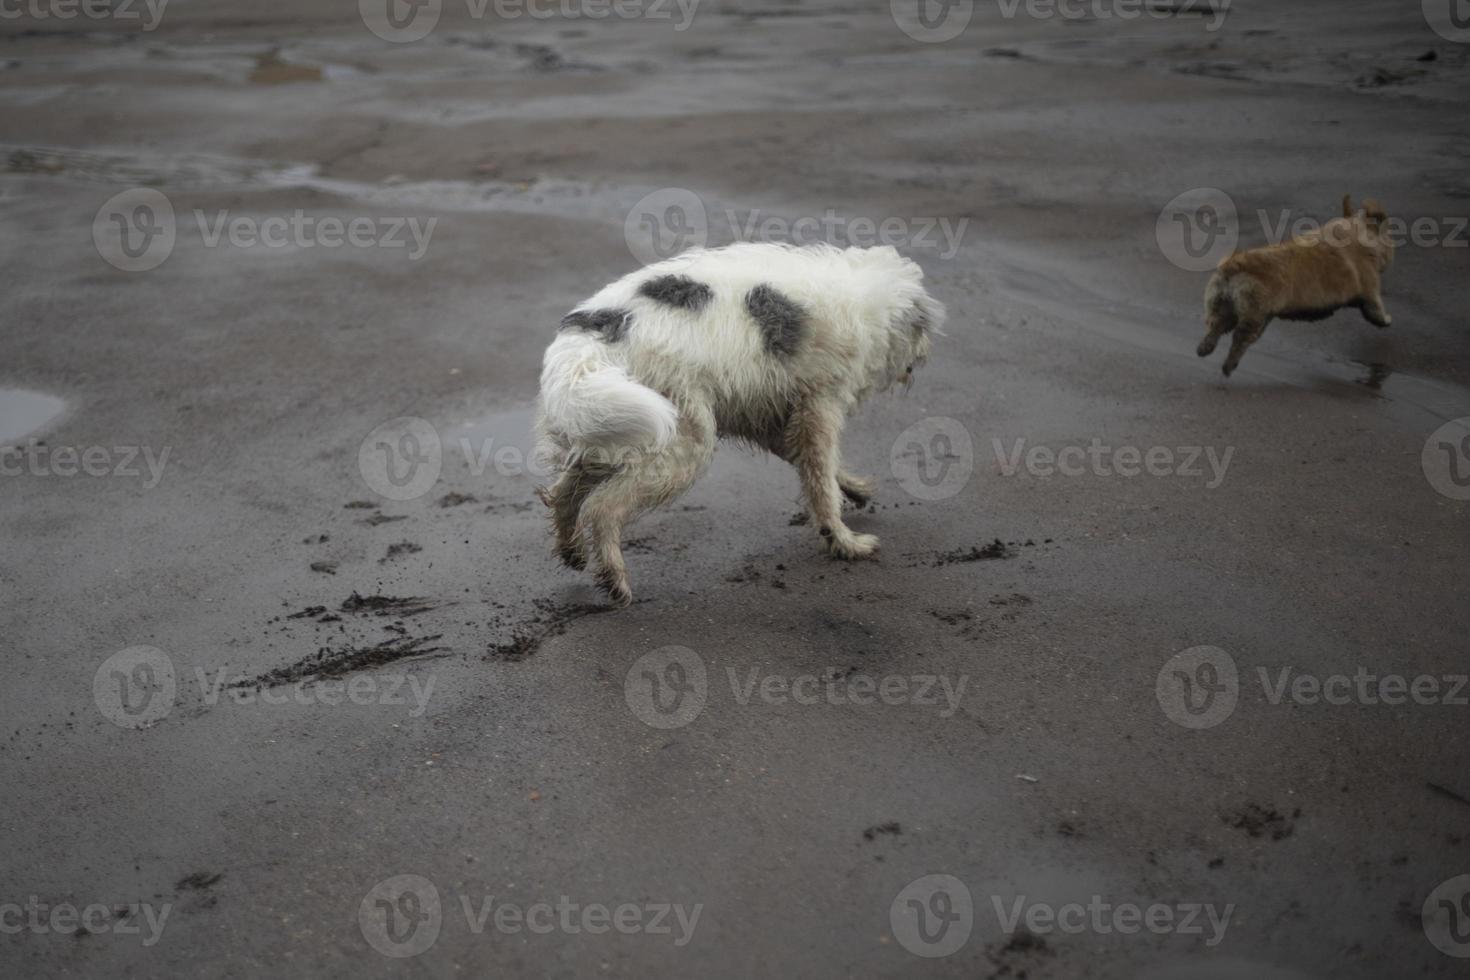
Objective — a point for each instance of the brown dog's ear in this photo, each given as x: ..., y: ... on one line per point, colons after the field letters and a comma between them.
x: 1373, y: 212
x: 1347, y: 205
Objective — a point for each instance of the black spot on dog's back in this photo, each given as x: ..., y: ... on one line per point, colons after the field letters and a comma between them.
x: 612, y: 324
x: 782, y: 322
x: 677, y: 291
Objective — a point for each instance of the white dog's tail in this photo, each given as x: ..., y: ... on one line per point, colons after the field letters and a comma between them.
x: 589, y: 398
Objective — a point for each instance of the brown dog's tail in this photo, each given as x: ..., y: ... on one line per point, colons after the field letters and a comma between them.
x: 1347, y: 205
x: 1229, y: 265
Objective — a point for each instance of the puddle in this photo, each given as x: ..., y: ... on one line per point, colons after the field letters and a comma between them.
x: 25, y: 412
x: 24, y: 161
x: 270, y: 69
x: 564, y: 198
x: 1374, y: 374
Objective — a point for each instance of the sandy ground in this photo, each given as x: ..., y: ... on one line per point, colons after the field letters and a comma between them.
x: 497, y: 743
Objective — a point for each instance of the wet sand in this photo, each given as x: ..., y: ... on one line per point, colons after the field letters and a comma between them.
x: 236, y: 390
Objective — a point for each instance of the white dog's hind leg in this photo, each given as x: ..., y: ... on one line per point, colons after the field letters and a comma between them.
x: 565, y: 497
x: 812, y: 439
x: 642, y: 482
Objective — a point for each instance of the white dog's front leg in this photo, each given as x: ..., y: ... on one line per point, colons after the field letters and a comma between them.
x: 812, y: 444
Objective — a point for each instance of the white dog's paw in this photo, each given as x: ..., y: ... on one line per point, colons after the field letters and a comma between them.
x: 850, y: 546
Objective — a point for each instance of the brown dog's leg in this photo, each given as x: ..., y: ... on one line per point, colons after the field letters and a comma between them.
x: 1207, y: 346
x: 1219, y: 314
x: 1247, y: 332
x: 812, y: 438
x: 1372, y: 306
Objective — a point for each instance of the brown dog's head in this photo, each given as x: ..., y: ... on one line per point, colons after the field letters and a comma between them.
x: 1369, y: 224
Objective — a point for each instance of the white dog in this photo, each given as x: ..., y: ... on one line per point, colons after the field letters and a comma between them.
x: 773, y: 345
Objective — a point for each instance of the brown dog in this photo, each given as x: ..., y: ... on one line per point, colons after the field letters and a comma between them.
x: 1308, y: 278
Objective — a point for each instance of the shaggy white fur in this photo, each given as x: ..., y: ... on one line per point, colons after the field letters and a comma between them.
x: 771, y: 344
